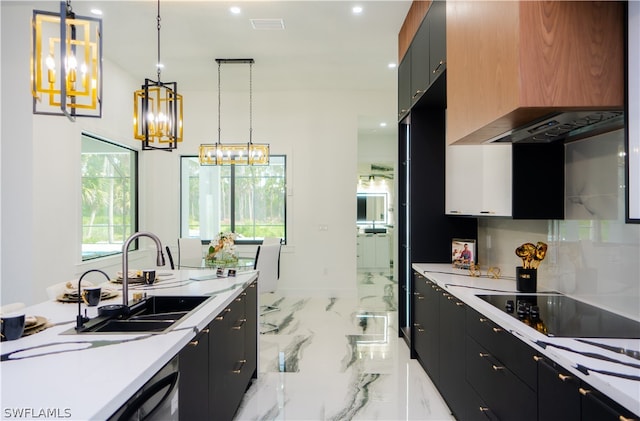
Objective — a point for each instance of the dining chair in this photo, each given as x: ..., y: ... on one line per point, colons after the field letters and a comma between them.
x: 170, y: 256
x: 267, y: 263
x: 189, y: 252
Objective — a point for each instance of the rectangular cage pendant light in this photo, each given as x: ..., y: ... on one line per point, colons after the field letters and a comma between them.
x: 234, y: 154
x: 66, y: 63
x: 157, y: 114
x: 248, y: 153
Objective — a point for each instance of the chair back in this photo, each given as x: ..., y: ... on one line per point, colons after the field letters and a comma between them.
x: 267, y: 259
x: 271, y: 240
x: 173, y: 266
x: 189, y: 252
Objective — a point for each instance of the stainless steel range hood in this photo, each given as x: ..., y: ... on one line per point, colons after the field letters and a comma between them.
x: 564, y: 126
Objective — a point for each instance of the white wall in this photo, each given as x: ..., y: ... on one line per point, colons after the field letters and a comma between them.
x: 41, y: 174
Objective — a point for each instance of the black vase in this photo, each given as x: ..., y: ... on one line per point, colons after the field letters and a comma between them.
x: 526, y: 279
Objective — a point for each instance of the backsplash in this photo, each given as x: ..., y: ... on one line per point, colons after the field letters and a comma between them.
x: 593, y: 254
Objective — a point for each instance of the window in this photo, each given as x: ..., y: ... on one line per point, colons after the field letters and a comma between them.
x: 109, y: 196
x: 248, y: 200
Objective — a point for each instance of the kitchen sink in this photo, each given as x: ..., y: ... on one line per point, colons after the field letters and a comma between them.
x: 155, y: 314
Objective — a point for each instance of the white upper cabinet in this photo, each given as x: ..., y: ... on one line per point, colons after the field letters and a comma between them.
x: 478, y: 180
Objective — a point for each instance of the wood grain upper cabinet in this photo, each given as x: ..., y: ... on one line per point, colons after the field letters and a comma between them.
x: 509, y: 63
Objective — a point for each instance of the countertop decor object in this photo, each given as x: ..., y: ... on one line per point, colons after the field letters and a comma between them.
x: 222, y: 251
x: 527, y: 274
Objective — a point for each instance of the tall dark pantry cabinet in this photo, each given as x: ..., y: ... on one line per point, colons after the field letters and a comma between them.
x: 424, y: 231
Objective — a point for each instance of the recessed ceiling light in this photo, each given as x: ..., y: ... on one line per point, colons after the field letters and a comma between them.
x: 391, y: 65
x: 96, y: 12
x: 357, y: 10
x: 383, y: 124
x: 235, y: 10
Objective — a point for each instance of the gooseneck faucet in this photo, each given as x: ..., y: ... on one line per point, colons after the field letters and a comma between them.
x: 125, y: 261
x: 80, y: 319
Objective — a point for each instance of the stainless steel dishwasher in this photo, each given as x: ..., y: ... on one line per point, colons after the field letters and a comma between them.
x: 157, y: 400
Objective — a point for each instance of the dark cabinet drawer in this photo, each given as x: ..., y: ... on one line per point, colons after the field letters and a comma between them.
x: 597, y: 407
x: 506, y: 396
x: 558, y: 397
x: 511, y: 351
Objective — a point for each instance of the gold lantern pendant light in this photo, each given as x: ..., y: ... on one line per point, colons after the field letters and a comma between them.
x: 66, y: 63
x: 248, y: 153
x: 157, y: 111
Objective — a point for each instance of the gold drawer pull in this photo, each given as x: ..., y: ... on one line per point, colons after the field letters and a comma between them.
x: 221, y: 316
x: 238, y: 327
x: 459, y: 304
x: 537, y: 358
x: 482, y: 320
x: 564, y: 377
x: 418, y: 327
x: 496, y: 329
x: 623, y: 418
x: 193, y: 343
x: 418, y: 92
x: 484, y: 409
x: 483, y: 355
x: 584, y: 392
x: 241, y: 364
x: 497, y: 367
x: 442, y: 62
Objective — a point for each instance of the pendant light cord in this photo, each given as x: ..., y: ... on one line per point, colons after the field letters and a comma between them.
x: 219, y: 64
x: 158, y: 66
x: 250, y: 103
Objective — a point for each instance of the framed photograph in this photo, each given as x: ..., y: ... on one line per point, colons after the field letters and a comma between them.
x: 463, y: 252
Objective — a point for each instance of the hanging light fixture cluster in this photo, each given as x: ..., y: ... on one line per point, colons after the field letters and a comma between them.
x: 157, y: 110
x: 247, y: 153
x: 66, y: 63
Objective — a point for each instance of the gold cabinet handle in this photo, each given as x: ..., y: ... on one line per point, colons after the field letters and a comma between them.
x: 418, y: 327
x: 583, y: 392
x: 564, y: 377
x: 459, y: 304
x: 221, y: 316
x: 253, y: 285
x: 497, y: 367
x: 484, y: 409
x: 482, y: 320
x: 437, y: 69
x: 420, y: 296
x: 496, y: 329
x: 238, y: 327
x: 537, y: 358
x: 623, y: 418
x: 418, y: 92
x: 239, y: 366
x: 193, y: 343
x: 205, y: 330
x: 483, y: 355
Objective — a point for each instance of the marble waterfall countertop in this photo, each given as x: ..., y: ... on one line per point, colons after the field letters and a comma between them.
x: 626, y: 392
x: 52, y: 375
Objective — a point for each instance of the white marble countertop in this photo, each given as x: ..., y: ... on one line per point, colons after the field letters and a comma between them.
x: 53, y: 375
x: 625, y: 392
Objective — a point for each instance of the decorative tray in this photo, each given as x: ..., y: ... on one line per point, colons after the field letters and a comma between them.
x: 72, y: 297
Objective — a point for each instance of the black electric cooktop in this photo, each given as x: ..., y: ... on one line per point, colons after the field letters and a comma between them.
x: 558, y: 315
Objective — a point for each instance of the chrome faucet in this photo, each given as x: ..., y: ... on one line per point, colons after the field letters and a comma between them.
x: 125, y: 261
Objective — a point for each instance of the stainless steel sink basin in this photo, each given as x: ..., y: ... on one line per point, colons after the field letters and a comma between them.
x: 155, y: 314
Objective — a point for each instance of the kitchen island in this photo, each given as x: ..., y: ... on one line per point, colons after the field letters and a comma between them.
x: 56, y: 373
x: 615, y: 377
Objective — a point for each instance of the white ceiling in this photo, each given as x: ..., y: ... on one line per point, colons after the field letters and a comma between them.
x: 323, y: 46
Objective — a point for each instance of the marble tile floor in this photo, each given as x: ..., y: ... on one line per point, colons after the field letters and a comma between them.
x: 339, y: 359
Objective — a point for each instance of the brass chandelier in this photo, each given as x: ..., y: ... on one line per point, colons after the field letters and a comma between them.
x: 248, y: 153
x: 66, y: 63
x: 157, y: 110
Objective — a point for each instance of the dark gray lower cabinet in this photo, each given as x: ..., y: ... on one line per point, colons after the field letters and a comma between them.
x: 486, y: 373
x: 216, y: 368
x: 193, y: 396
x: 563, y: 396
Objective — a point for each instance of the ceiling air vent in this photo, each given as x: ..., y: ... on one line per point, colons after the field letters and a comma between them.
x: 267, y: 24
